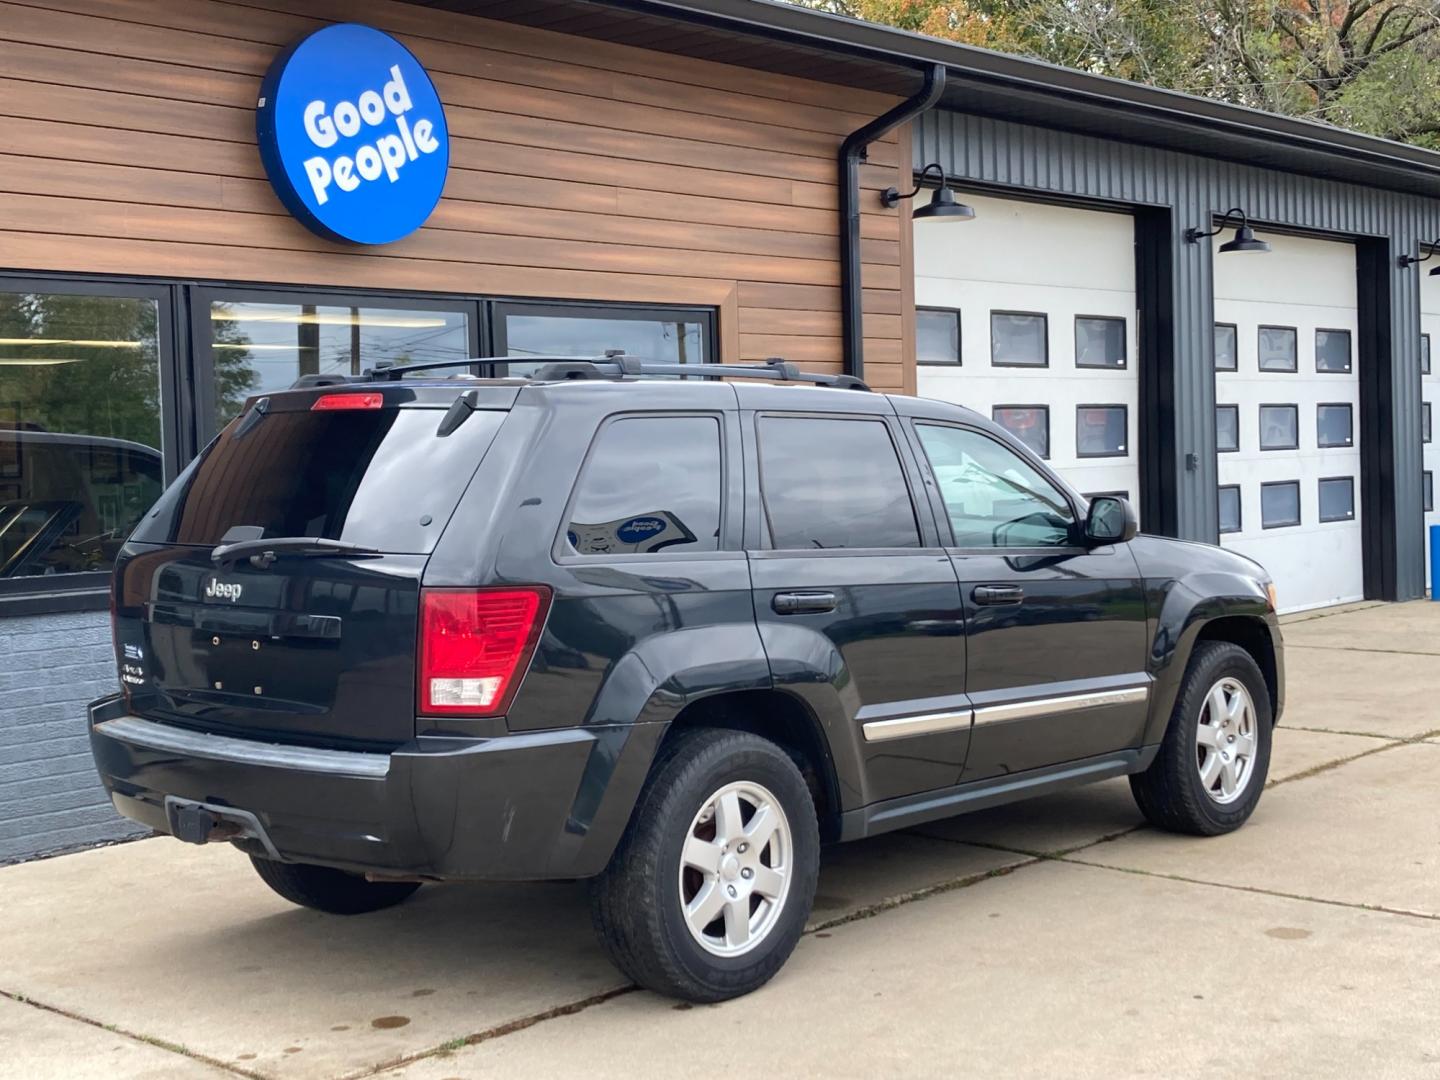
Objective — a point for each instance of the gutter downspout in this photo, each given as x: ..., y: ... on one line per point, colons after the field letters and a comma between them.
x: 852, y: 152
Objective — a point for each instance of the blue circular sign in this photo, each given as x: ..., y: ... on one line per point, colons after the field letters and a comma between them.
x: 353, y: 135
x: 638, y: 530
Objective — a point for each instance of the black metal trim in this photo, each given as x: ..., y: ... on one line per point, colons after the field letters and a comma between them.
x: 1157, y: 448
x: 1374, y: 350
x: 852, y: 151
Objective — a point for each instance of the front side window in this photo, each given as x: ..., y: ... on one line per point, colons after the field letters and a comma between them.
x: 1019, y: 339
x: 651, y: 483
x: 1278, y: 349
x: 80, y: 428
x: 1279, y: 427
x: 993, y: 497
x: 1028, y: 423
x: 833, y: 483
x: 937, y: 336
x: 1099, y: 341
x: 681, y: 336
x: 258, y: 346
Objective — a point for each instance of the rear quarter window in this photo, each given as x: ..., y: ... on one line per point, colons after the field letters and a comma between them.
x: 649, y: 484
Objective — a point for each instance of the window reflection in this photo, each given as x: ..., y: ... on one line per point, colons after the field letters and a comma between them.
x: 261, y: 347
x: 80, y: 429
x: 538, y: 332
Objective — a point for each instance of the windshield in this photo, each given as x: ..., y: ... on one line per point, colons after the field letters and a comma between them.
x: 380, y: 478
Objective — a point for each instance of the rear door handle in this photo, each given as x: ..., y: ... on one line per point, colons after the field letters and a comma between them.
x: 998, y: 594
x: 802, y: 603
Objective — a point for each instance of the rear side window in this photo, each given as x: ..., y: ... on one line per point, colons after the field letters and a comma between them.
x: 832, y: 483
x: 651, y: 483
x: 380, y: 478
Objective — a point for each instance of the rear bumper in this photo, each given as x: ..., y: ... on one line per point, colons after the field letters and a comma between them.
x: 531, y: 806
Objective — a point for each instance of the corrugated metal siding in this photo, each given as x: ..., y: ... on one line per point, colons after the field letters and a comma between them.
x: 1043, y: 162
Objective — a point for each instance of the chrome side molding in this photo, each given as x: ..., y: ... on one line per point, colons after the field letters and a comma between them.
x: 903, y: 727
x: 1029, y: 710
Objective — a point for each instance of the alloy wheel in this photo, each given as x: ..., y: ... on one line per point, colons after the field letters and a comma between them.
x: 1225, y: 741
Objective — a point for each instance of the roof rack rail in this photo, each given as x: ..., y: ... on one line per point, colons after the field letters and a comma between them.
x: 615, y: 365
x: 620, y: 366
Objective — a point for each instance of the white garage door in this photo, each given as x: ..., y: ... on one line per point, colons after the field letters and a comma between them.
x: 1027, y: 315
x: 1429, y: 337
x: 1288, y: 414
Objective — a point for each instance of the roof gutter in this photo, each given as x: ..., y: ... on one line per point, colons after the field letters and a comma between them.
x: 852, y: 152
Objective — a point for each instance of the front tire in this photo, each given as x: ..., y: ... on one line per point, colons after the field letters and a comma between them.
x: 332, y: 891
x: 711, y: 886
x: 1210, y: 771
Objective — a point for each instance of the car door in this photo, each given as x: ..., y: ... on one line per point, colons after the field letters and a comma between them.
x: 850, y: 579
x: 1055, y: 628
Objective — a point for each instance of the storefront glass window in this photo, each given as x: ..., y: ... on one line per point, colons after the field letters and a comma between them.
x: 257, y: 347
x: 681, y: 337
x: 80, y: 428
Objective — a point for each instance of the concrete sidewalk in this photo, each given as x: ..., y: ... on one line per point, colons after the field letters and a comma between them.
x: 1055, y: 938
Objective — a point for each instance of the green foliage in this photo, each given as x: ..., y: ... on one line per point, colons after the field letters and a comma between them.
x: 1362, y: 64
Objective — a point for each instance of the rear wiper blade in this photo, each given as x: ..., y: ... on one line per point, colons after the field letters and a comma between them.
x: 264, y: 552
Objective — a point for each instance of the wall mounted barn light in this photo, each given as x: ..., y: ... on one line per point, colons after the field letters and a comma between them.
x: 943, y: 204
x: 1411, y: 260
x: 1244, y: 235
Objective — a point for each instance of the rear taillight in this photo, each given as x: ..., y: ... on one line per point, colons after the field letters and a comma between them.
x: 332, y: 402
x: 475, y: 646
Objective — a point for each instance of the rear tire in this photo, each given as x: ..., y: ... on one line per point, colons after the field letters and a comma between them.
x: 333, y: 891
x: 710, y: 888
x: 1215, y: 757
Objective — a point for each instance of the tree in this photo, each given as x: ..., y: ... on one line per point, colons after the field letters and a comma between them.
x: 1369, y: 65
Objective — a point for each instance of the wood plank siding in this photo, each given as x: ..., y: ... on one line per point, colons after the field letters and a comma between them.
x: 579, y: 170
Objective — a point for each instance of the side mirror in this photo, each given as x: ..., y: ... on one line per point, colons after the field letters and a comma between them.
x: 1110, y: 521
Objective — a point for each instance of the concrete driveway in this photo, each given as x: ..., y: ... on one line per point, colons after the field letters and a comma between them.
x: 1055, y: 938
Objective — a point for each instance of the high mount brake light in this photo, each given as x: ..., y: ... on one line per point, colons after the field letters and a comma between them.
x: 475, y: 647
x: 333, y: 402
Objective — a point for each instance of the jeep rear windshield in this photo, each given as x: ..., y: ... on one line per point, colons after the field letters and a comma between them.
x: 379, y: 478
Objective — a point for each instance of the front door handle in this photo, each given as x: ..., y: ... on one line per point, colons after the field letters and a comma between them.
x: 998, y: 594
x: 802, y: 603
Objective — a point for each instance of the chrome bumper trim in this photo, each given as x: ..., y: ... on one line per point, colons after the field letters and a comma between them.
x: 169, y: 739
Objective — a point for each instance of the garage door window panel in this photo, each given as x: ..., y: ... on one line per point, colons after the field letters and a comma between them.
x: 1028, y: 423
x: 1280, y: 504
x: 1227, y: 428
x: 1424, y: 354
x: 1230, y: 520
x: 1100, y: 431
x: 992, y: 496
x: 1425, y: 432
x: 1019, y: 339
x: 1278, y: 349
x: 1227, y: 347
x: 1337, y: 498
x: 1335, y: 424
x: 1332, y: 351
x: 1279, y: 427
x: 833, y: 483
x: 937, y: 336
x: 1100, y: 342
x: 1427, y: 484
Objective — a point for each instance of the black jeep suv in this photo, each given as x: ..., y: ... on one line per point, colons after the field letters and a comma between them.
x: 667, y: 634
